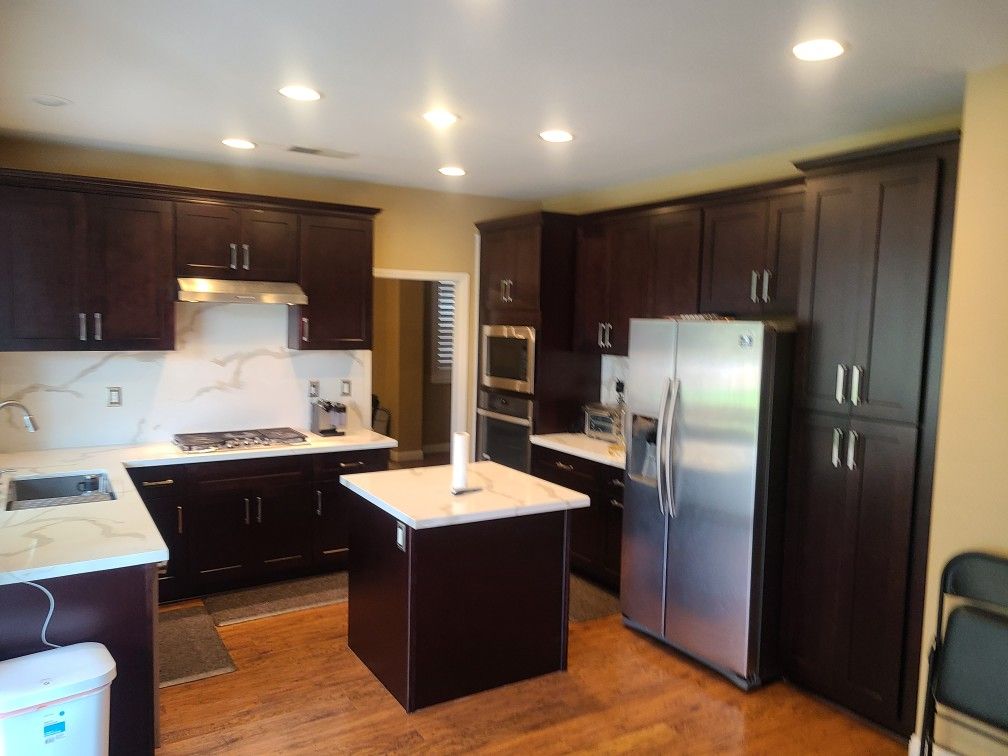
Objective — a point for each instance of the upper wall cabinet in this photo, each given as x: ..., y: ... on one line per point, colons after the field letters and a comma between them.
x: 869, y: 238
x: 337, y: 276
x: 225, y: 241
x: 751, y: 256
x: 86, y: 272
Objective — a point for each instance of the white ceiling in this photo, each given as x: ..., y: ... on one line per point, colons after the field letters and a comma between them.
x: 649, y: 87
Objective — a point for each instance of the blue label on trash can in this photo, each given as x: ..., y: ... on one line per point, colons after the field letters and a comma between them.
x: 53, y: 728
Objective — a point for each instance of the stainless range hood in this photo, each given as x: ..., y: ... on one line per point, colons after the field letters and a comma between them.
x: 242, y: 292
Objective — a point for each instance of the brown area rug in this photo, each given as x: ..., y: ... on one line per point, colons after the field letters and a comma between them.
x: 189, y: 647
x: 276, y: 598
x: 588, y: 601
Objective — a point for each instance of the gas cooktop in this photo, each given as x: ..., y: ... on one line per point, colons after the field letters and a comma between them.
x: 239, y: 439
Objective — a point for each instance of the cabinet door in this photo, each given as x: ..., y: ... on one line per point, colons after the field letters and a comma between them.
x: 330, y: 526
x: 815, y: 552
x: 873, y: 570
x: 269, y: 246
x: 219, y: 537
x: 733, y: 258
x: 587, y: 524
x: 509, y: 274
x: 130, y: 246
x: 831, y: 290
x: 337, y: 275
x: 206, y: 240
x: 525, y: 245
x: 630, y: 279
x: 779, y: 287
x: 675, y: 248
x: 591, y: 288
x: 283, y: 528
x: 169, y: 517
x: 612, y: 488
x: 42, y: 253
x: 889, y: 359
x: 494, y: 267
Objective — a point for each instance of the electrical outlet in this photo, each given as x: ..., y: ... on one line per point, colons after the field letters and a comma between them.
x: 313, y: 389
x: 113, y: 396
x: 345, y: 387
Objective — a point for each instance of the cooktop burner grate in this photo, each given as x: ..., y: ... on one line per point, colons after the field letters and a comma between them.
x: 238, y: 439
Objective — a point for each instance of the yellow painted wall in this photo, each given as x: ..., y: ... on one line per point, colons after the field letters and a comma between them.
x: 417, y: 229
x: 752, y: 170
x: 970, y: 509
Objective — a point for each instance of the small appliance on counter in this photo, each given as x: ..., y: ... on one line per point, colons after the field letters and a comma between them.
x: 604, y: 422
x: 328, y: 418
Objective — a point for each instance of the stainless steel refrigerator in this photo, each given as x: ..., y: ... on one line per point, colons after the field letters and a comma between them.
x: 707, y: 424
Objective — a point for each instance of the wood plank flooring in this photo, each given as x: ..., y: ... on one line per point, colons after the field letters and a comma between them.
x: 299, y: 690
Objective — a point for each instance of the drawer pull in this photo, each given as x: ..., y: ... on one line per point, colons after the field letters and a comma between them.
x: 318, y: 503
x: 158, y: 483
x: 617, y: 482
x: 560, y: 465
x: 348, y: 465
x: 618, y: 504
x: 178, y: 519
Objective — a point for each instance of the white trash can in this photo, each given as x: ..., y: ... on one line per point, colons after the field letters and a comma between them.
x: 56, y: 702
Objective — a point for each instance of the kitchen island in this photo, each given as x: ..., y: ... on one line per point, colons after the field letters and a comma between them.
x: 452, y: 595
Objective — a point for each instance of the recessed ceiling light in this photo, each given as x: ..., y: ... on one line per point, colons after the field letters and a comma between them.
x: 238, y: 144
x: 300, y: 92
x: 556, y: 135
x: 440, y: 118
x: 50, y: 101
x: 451, y: 170
x: 818, y: 49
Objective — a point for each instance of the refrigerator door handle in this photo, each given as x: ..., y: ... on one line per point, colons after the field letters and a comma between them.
x: 669, y: 432
x: 659, y: 443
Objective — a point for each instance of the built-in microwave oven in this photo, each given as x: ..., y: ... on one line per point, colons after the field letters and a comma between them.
x: 509, y: 358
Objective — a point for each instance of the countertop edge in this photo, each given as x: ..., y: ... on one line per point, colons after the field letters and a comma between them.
x: 547, y: 441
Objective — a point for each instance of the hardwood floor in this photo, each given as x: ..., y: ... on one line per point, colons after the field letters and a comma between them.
x: 298, y: 689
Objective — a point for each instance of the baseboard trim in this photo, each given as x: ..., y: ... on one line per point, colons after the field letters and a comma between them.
x: 436, y: 448
x: 413, y: 455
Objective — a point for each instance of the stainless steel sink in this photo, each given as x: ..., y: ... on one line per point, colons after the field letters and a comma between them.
x: 56, y: 490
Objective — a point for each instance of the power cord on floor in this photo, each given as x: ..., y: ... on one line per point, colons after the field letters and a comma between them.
x: 52, y: 608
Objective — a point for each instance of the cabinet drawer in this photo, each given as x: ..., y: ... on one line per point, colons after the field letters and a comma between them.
x: 251, y: 472
x: 612, y: 483
x: 329, y: 466
x: 158, y: 482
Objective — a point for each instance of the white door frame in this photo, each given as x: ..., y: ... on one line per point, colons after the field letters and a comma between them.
x: 460, y: 341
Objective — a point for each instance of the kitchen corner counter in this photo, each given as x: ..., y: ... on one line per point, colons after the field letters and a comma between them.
x: 580, y: 445
x: 38, y: 544
x: 420, y: 496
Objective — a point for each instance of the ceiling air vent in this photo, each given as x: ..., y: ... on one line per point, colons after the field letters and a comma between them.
x: 321, y: 152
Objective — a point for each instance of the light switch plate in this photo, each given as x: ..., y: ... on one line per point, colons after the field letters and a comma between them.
x: 313, y: 389
x: 113, y: 396
x: 400, y: 535
x: 345, y: 387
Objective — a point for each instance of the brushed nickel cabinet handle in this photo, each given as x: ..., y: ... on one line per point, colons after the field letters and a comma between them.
x: 82, y: 325
x: 608, y: 334
x: 855, y: 385
x: 178, y: 519
x: 259, y: 509
x: 304, y: 330
x: 617, y: 504
x: 248, y: 520
x: 347, y: 465
x: 766, y: 285
x: 503, y: 290
x: 752, y: 286
x: 234, y: 255
x: 246, y: 257
x: 560, y: 465
x: 841, y: 383
x: 158, y: 483
x: 97, y: 326
x: 852, y: 441
x: 318, y: 503
x: 837, y: 440
x: 601, y: 344
x: 617, y: 482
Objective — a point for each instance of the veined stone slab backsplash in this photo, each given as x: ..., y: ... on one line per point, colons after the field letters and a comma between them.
x: 230, y: 369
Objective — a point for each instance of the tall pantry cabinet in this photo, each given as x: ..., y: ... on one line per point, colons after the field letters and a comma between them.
x: 871, y: 317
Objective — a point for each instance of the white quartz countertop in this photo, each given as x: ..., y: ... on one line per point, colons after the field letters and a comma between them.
x: 36, y: 544
x: 420, y: 496
x: 583, y: 446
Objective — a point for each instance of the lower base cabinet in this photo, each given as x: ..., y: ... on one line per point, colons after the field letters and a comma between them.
x: 596, y: 532
x: 238, y: 523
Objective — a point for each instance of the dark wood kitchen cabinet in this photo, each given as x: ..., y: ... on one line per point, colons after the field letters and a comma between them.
x: 232, y: 242
x: 596, y: 532
x: 868, y: 252
x: 337, y: 275
x: 614, y: 280
x: 87, y: 272
x: 164, y: 491
x: 751, y: 256
x: 526, y: 266
x: 675, y: 250
x: 332, y: 502
x: 847, y: 582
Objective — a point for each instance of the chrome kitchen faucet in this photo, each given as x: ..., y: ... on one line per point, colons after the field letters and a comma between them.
x: 29, y: 421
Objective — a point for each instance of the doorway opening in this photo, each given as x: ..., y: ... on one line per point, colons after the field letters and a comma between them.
x: 420, y: 361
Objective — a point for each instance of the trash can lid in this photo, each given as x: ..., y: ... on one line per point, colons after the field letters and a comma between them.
x: 35, y: 679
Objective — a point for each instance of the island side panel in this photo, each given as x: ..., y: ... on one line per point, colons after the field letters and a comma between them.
x: 378, y: 597
x: 489, y: 604
x: 113, y: 607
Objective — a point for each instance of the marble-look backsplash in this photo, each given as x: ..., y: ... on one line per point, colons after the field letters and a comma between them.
x: 614, y: 368
x: 230, y: 369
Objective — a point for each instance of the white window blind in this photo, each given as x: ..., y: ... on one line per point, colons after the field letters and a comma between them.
x: 442, y: 329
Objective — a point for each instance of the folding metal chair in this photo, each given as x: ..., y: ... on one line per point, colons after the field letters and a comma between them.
x: 968, y: 664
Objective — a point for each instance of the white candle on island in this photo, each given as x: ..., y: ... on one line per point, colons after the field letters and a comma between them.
x: 459, y: 461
